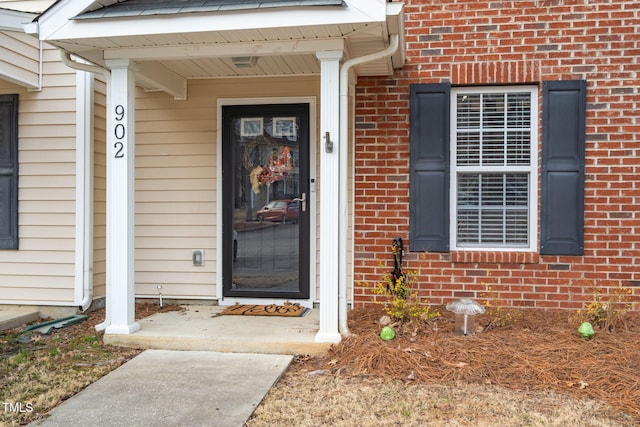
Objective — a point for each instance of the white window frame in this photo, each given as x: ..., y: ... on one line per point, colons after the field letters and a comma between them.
x: 531, y: 169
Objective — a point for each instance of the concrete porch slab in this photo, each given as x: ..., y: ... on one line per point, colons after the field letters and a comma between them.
x: 12, y: 319
x: 201, y: 327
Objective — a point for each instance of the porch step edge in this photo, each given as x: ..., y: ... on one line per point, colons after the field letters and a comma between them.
x: 219, y: 345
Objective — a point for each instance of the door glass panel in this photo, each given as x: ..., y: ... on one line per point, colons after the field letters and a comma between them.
x: 267, y: 206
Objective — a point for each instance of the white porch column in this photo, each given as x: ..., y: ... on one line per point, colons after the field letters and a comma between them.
x: 329, y: 193
x: 120, y: 197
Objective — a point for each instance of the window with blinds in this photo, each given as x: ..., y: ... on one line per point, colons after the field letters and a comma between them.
x: 493, y: 164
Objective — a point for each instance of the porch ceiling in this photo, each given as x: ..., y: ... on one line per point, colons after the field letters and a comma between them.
x: 209, y: 44
x: 281, y: 51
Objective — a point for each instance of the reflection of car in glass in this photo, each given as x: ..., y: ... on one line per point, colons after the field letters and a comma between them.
x: 279, y: 210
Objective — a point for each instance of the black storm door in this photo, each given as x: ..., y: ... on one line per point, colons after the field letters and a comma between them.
x: 265, y: 182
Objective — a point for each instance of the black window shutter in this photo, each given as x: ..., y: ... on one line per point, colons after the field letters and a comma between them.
x: 429, y: 176
x: 563, y: 151
x: 8, y: 171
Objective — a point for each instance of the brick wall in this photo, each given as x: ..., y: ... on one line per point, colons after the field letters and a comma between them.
x: 474, y: 42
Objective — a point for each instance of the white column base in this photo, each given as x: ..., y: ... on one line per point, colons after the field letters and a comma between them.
x: 328, y: 337
x: 122, y: 329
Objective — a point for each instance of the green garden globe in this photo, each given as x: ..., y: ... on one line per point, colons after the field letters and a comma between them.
x: 586, y: 330
x: 387, y: 333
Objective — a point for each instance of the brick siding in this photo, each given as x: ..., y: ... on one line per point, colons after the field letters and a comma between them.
x: 474, y: 42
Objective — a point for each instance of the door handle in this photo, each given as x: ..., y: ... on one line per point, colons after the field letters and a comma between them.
x: 303, y: 201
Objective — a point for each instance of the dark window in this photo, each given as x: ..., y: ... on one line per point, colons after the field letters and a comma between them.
x: 492, y: 166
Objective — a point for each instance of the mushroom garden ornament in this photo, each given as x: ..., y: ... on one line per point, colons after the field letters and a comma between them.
x: 465, y: 310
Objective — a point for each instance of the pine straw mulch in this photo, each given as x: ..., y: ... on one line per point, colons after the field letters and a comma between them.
x: 532, y: 351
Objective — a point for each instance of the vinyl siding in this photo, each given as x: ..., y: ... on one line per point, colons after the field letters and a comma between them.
x: 99, y: 189
x: 19, y: 55
x: 176, y: 180
x: 175, y: 193
x: 41, y: 271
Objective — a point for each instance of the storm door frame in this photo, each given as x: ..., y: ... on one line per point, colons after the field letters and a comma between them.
x: 311, y: 101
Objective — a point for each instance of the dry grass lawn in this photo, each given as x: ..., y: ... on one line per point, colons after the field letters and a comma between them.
x: 38, y: 372
x: 313, y: 400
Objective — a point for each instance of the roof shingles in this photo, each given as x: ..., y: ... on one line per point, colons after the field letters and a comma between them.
x: 167, y: 7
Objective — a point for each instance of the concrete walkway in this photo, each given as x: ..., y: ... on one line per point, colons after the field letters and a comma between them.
x: 174, y: 388
x: 12, y: 319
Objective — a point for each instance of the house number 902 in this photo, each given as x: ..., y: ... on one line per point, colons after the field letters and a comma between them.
x: 119, y: 132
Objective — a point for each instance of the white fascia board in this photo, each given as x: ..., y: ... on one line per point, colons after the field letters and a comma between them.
x: 206, y: 22
x: 12, y: 20
x: 395, y: 18
x: 226, y: 50
x: 375, y: 9
x: 59, y: 15
x: 395, y: 25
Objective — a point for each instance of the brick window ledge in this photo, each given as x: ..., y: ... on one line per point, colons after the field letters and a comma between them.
x: 495, y: 257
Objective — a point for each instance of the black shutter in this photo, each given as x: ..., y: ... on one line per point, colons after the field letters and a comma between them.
x: 8, y: 171
x: 563, y: 151
x: 429, y: 187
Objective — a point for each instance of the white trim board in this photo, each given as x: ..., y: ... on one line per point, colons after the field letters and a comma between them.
x: 313, y: 131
